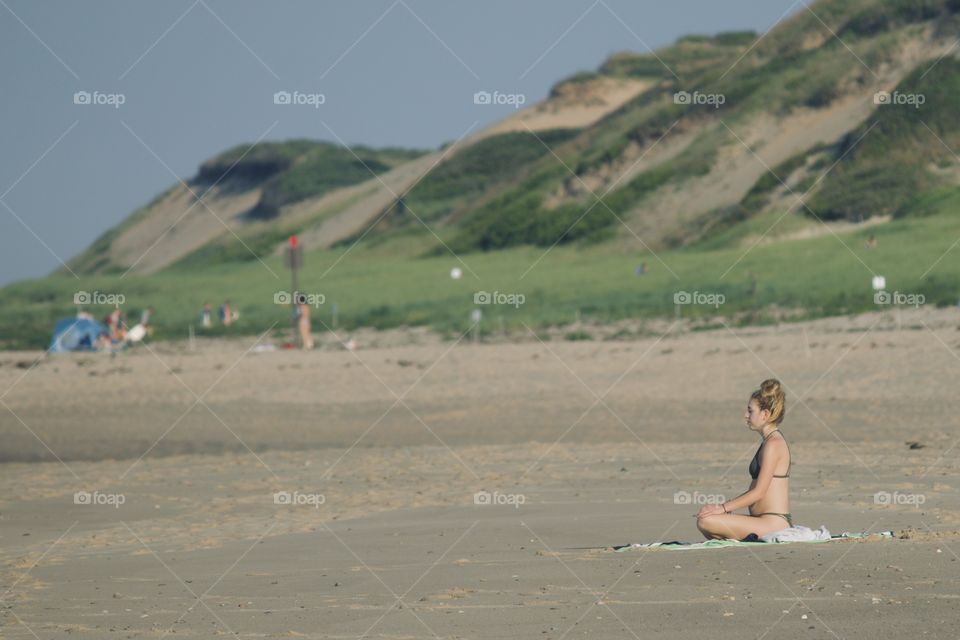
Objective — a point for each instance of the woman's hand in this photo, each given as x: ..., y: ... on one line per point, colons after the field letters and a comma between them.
x: 710, y: 510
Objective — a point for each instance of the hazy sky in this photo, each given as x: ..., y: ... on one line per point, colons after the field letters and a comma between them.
x: 198, y: 76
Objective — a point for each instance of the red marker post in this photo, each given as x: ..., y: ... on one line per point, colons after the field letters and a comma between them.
x: 294, y: 260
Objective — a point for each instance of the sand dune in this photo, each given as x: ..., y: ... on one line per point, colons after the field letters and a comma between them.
x: 575, y: 105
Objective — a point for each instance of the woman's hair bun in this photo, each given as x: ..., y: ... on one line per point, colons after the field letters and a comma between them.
x: 770, y: 387
x: 770, y: 397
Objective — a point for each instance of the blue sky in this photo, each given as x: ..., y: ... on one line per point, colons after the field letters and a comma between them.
x: 196, y: 77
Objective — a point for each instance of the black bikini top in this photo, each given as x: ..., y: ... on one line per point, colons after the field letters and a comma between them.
x: 755, y: 463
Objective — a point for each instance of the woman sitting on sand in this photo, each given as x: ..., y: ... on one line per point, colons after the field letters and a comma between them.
x: 768, y: 498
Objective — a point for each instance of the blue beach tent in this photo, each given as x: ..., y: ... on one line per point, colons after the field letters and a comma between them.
x: 76, y: 334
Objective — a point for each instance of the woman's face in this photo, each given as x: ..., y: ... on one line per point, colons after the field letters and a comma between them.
x: 754, y: 417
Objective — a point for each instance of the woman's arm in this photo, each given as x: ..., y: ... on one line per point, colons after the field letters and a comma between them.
x: 773, y: 451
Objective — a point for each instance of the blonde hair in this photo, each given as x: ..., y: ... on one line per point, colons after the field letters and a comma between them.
x: 770, y: 397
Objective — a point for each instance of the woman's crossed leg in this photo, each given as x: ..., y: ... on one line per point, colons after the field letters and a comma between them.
x: 737, y: 527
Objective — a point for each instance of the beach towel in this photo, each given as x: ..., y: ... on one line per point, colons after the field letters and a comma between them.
x: 797, y: 533
x: 676, y: 545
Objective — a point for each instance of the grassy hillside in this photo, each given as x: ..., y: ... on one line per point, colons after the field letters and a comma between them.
x: 809, y: 278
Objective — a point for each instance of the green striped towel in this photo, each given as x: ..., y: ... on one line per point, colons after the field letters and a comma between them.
x: 710, y: 544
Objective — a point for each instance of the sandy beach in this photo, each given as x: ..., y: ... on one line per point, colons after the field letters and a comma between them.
x: 168, y: 492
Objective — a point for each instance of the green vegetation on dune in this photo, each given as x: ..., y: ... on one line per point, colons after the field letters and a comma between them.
x: 322, y: 169
x: 305, y: 158
x: 254, y: 162
x: 688, y: 55
x: 888, y: 14
x: 577, y: 78
x: 852, y: 19
x: 519, y: 216
x: 784, y: 72
x: 936, y: 200
x: 892, y: 159
x: 470, y: 172
x: 650, y: 119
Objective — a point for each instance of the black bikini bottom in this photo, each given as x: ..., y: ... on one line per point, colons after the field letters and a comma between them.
x: 785, y: 516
